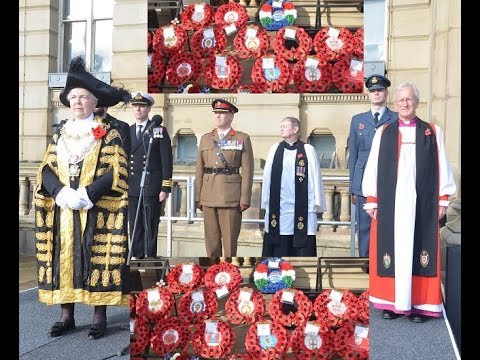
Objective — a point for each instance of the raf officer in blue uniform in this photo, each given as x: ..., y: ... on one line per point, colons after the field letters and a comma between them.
x: 158, y: 179
x: 362, y: 130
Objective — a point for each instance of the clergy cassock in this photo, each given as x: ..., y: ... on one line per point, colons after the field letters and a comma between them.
x: 82, y: 253
x: 407, y: 178
x: 292, y: 195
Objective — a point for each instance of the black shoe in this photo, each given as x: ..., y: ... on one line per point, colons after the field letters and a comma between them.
x: 62, y: 327
x: 366, y: 268
x: 416, y: 318
x: 389, y: 315
x: 97, y: 330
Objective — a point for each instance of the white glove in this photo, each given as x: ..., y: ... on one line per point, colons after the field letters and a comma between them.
x: 63, y: 196
x: 82, y: 193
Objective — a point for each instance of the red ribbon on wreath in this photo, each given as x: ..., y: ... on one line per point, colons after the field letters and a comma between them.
x: 208, y: 46
x: 308, y: 345
x: 358, y: 37
x: 333, y: 312
x: 223, y: 274
x: 214, y: 345
x: 363, y: 306
x: 348, y: 346
x: 223, y: 77
x: 179, y: 282
x: 312, y: 79
x: 155, y: 304
x: 331, y: 47
x: 273, y: 79
x: 192, y: 310
x: 346, y: 79
x: 302, y: 38
x: 183, y: 68
x: 170, y: 335
x: 247, y: 46
x: 173, y: 42
x: 241, y: 309
x: 267, y: 347
x: 140, y: 338
x: 192, y: 20
x: 231, y: 13
x: 282, y: 312
x: 157, y: 69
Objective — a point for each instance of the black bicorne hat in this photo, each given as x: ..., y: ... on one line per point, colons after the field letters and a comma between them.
x: 79, y: 77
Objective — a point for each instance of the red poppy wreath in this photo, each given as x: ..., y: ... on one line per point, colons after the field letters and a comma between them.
x: 185, y: 277
x: 334, y: 308
x: 349, y: 345
x: 312, y: 75
x: 223, y: 72
x: 197, y: 16
x: 333, y: 43
x: 170, y: 40
x: 209, y: 41
x: 290, y: 307
x: 251, y: 41
x: 312, y: 340
x: 240, y: 357
x: 231, y: 15
x: 245, y: 306
x: 170, y: 335
x: 358, y: 42
x: 183, y: 68
x: 271, y: 73
x: 267, y: 340
x: 157, y: 68
x: 249, y: 89
x: 140, y: 338
x: 347, y: 77
x: 289, y: 35
x: 214, y: 339
x: 133, y: 301
x: 197, y: 305
x: 155, y: 304
x: 223, y: 274
x: 363, y: 306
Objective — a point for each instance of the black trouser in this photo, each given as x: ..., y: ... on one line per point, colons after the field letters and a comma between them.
x: 146, y: 227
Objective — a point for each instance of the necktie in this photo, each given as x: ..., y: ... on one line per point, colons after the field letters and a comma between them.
x: 375, y: 118
x: 139, y: 132
x: 220, y: 136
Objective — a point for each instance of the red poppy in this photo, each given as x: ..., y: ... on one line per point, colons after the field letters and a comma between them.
x: 99, y: 132
x: 140, y: 338
x: 428, y: 132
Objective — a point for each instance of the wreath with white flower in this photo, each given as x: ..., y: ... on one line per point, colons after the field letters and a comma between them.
x: 197, y: 305
x: 183, y: 68
x: 197, y: 16
x: 251, y: 41
x: 245, y: 306
x: 273, y: 78
x: 294, y: 312
x: 223, y: 274
x: 225, y: 74
x: 276, y: 14
x: 231, y: 14
x: 170, y: 40
x: 209, y: 41
x: 155, y: 304
x: 185, y: 277
x: 311, y: 78
x: 312, y: 340
x: 273, y: 344
x: 302, y: 38
x: 214, y: 345
x: 273, y: 274
x: 332, y: 43
x: 170, y: 335
x: 334, y: 308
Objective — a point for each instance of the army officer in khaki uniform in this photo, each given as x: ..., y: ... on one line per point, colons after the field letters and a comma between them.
x: 224, y: 178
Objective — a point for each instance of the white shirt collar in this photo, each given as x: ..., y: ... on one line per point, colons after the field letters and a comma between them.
x: 224, y: 132
x: 380, y: 111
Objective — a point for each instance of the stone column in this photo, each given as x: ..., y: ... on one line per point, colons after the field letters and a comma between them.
x: 23, y: 208
x: 183, y: 198
x: 253, y: 212
x: 328, y: 214
x: 345, y: 209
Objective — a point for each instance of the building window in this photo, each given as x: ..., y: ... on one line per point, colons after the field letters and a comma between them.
x: 187, y: 149
x: 325, y: 145
x: 87, y: 27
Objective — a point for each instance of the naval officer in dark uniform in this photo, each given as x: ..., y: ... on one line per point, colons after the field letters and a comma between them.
x: 362, y: 130
x: 158, y: 179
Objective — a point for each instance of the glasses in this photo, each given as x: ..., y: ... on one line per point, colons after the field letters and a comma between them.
x: 81, y: 98
x: 407, y: 100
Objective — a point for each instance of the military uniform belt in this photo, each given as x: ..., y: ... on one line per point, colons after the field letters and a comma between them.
x: 224, y: 171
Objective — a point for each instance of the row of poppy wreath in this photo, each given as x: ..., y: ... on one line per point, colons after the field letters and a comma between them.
x: 251, y: 41
x: 173, y: 336
x: 185, y: 68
